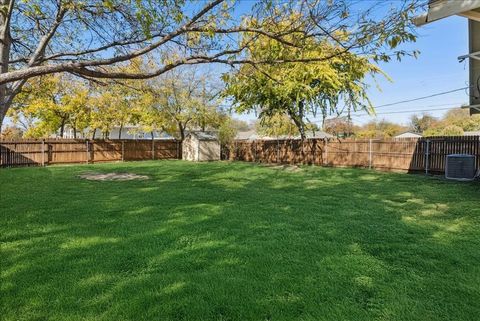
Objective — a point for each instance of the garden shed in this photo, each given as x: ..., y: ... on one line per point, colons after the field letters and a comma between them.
x: 200, y: 146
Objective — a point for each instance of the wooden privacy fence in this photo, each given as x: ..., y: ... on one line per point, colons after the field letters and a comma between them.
x: 425, y: 154
x: 413, y: 155
x: 64, y: 151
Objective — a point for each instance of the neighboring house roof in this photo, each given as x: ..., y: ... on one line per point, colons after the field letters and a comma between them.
x: 251, y: 135
x: 203, y: 135
x: 318, y: 134
x: 408, y: 135
x: 128, y: 132
x: 472, y: 133
x: 282, y: 137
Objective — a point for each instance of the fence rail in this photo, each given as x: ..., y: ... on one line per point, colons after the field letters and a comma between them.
x: 64, y: 151
x: 413, y: 155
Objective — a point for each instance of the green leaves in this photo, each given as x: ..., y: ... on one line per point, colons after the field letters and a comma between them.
x: 53, y: 102
x: 298, y: 89
x: 336, y: 59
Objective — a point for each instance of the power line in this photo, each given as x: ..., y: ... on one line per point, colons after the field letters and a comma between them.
x: 406, y: 111
x: 421, y: 106
x: 452, y: 106
x: 418, y: 108
x: 410, y: 100
x: 424, y: 97
x: 404, y: 101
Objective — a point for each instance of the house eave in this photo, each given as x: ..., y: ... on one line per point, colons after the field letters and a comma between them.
x: 444, y: 8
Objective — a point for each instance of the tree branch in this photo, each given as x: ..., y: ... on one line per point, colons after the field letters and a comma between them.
x: 82, y: 64
x: 277, y: 37
x: 39, y: 52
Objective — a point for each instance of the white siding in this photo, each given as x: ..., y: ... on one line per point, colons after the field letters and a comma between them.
x: 196, y: 150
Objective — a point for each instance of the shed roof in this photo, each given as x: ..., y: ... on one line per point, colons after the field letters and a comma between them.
x: 203, y: 135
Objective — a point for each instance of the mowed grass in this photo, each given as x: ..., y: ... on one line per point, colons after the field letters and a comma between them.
x: 237, y: 241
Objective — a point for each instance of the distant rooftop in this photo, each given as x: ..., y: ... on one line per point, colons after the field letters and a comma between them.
x: 253, y: 135
x: 318, y: 134
x: 472, y: 133
x: 408, y: 134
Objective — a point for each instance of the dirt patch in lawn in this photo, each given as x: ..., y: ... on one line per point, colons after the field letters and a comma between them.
x: 285, y: 167
x: 94, y: 176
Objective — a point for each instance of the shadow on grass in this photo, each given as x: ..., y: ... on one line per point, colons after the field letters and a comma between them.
x: 236, y: 241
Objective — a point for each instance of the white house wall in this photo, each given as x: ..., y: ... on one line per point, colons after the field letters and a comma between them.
x: 126, y: 134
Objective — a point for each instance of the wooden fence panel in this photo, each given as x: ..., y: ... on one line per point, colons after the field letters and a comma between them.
x: 349, y: 153
x: 393, y: 155
x: 137, y: 150
x: 413, y: 155
x: 63, y: 151
x: 167, y: 150
x: 105, y: 151
x: 440, y: 147
x: 406, y: 154
x: 21, y: 153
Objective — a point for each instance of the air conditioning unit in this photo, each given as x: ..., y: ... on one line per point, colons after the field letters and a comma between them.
x: 460, y: 167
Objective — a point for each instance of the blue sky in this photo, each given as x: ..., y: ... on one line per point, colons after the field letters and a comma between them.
x: 435, y: 70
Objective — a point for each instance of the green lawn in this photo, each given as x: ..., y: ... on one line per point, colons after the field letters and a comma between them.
x: 237, y: 241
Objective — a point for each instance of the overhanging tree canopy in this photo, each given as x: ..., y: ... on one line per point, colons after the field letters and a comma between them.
x: 39, y: 37
x: 301, y: 89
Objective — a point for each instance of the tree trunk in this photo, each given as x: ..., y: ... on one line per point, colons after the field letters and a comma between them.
x: 181, y: 130
x: 5, y: 104
x: 120, y: 132
x: 74, y: 133
x: 324, y: 117
x: 151, y: 133
x: 62, y: 128
x: 298, y: 120
x: 5, y: 44
x: 299, y: 124
x: 8, y: 92
x: 94, y: 133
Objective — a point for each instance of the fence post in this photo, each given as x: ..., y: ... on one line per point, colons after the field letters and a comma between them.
x: 235, y: 151
x: 123, y: 150
x: 255, y: 151
x: 278, y: 150
x: 370, y: 154
x: 43, y: 152
x: 355, y: 152
x: 86, y: 142
x: 153, y: 149
x: 427, y: 156
x: 313, y: 149
x: 325, y: 161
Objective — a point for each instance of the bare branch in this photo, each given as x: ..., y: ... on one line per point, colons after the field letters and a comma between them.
x: 46, y: 39
x: 277, y: 37
x: 82, y: 64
